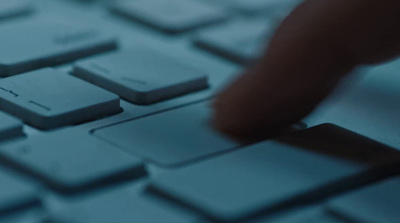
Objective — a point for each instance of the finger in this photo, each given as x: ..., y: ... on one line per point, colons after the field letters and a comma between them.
x: 320, y: 42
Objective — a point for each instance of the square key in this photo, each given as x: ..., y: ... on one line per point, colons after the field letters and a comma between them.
x: 71, y: 161
x: 170, y: 15
x: 171, y: 138
x: 48, y: 98
x: 299, y: 168
x: 378, y: 202
x: 141, y: 76
x: 35, y: 43
x: 241, y: 41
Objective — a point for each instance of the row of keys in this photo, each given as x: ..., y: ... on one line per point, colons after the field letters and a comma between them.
x: 52, y: 42
x: 300, y: 168
x: 241, y: 40
x: 120, y: 205
x: 47, y: 98
x: 377, y: 203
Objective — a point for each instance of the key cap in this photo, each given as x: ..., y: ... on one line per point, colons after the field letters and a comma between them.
x: 314, y: 214
x: 141, y: 76
x: 121, y: 205
x: 48, y: 98
x: 49, y: 43
x: 306, y: 166
x: 169, y: 138
x: 172, y: 16
x: 71, y: 161
x: 241, y: 40
x: 377, y: 203
x: 10, y: 127
x: 12, y: 8
x: 16, y: 192
x: 259, y: 6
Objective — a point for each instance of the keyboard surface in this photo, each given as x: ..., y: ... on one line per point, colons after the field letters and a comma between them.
x: 105, y: 110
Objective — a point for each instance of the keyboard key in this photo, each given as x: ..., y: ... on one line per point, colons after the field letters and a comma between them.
x: 48, y: 98
x: 252, y: 6
x: 312, y: 214
x: 303, y: 167
x: 141, y: 76
x: 121, y: 205
x: 48, y: 43
x: 70, y: 161
x: 169, y: 138
x: 10, y: 127
x: 241, y: 40
x: 267, y: 7
x: 378, y: 203
x: 11, y: 8
x: 170, y: 15
x: 16, y: 192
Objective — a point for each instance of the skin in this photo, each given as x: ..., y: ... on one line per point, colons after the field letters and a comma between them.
x: 319, y: 43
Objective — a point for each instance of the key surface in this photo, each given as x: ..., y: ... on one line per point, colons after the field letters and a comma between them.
x: 170, y: 15
x: 378, y: 203
x: 240, y: 40
x: 314, y: 214
x: 70, y: 161
x: 48, y: 98
x: 303, y: 167
x: 141, y: 76
x: 253, y: 6
x: 10, y: 127
x: 11, y: 8
x: 16, y: 192
x: 169, y: 138
x: 48, y: 43
x: 121, y: 205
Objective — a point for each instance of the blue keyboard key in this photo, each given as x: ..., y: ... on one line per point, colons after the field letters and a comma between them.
x: 300, y: 168
x: 70, y: 161
x: 169, y: 138
x: 50, y: 42
x: 120, y: 206
x: 16, y: 192
x: 48, y: 98
x: 170, y: 15
x: 377, y: 203
x: 242, y: 41
x: 141, y: 76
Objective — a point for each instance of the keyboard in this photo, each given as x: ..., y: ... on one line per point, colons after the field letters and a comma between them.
x: 105, y: 111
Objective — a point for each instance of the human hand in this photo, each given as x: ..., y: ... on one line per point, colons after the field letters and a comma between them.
x: 316, y: 45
